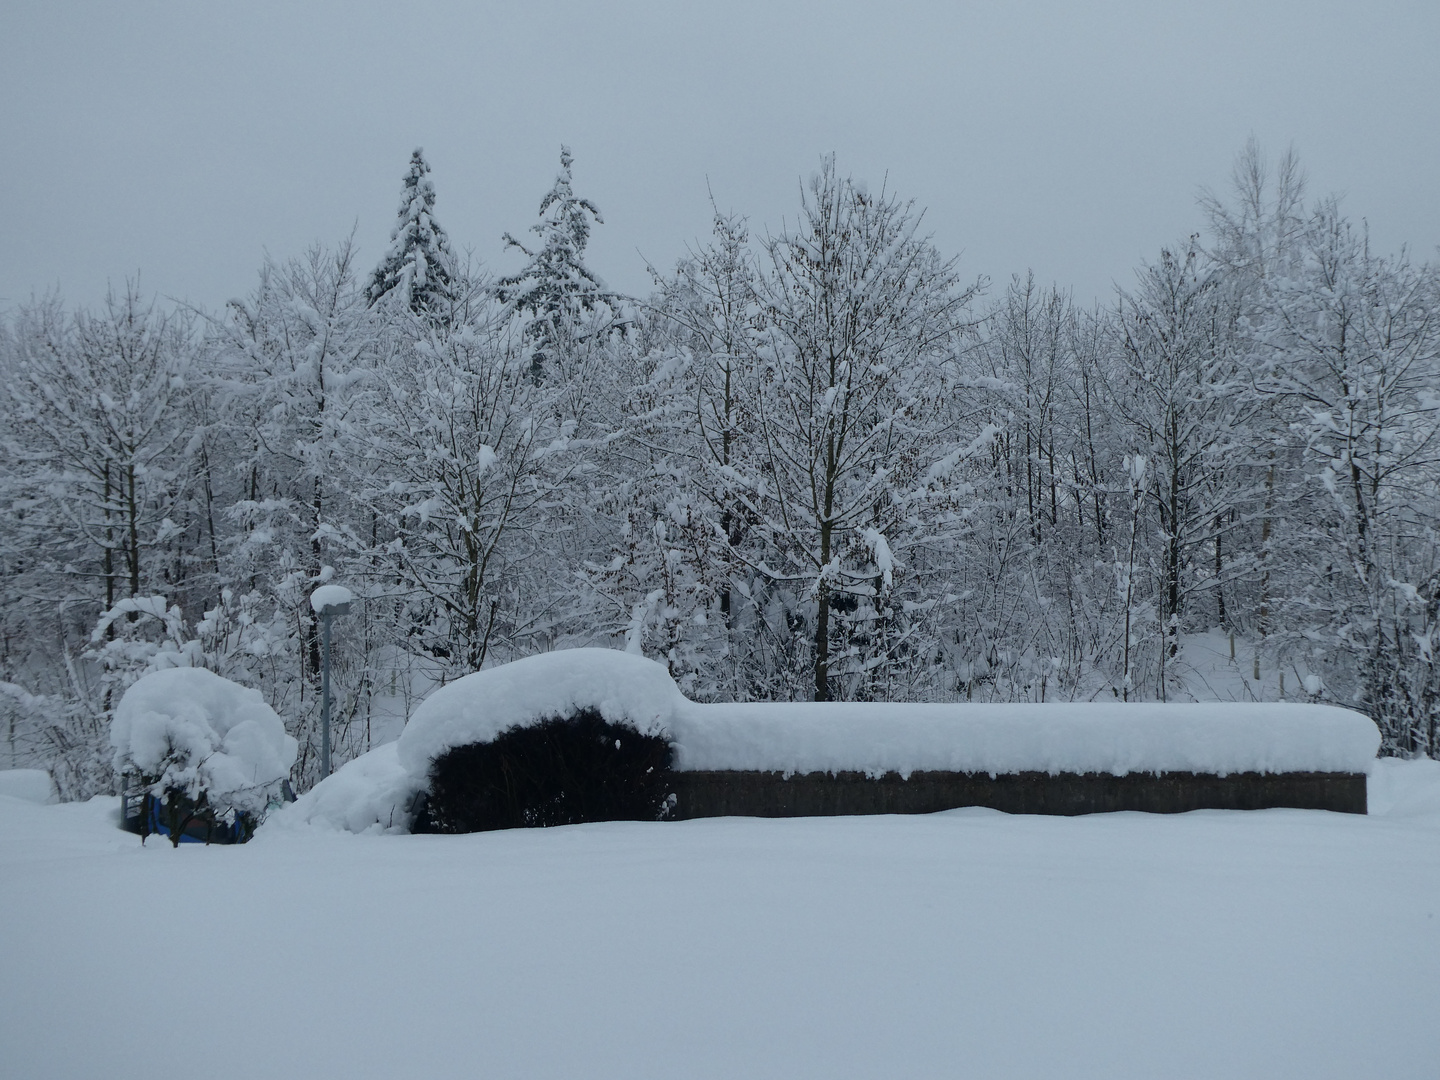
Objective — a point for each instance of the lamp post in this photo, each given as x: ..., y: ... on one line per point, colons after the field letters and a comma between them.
x: 327, y: 602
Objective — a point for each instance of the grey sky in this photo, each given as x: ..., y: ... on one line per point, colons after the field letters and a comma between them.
x: 184, y: 140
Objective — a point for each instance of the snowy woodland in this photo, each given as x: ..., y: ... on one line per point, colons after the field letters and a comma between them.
x: 820, y: 461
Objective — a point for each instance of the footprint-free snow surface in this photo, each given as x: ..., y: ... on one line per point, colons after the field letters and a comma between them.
x: 1270, y: 944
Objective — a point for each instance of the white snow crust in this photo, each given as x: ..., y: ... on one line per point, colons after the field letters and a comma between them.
x: 623, y: 688
x: 369, y: 794
x: 195, y: 730
x: 330, y: 596
x: 32, y: 785
x: 876, y: 738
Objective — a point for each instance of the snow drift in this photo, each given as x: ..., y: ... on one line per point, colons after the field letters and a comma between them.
x: 369, y: 794
x: 31, y: 785
x: 191, y: 729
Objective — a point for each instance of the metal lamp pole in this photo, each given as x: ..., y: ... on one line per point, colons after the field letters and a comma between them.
x: 327, y: 612
x: 325, y: 694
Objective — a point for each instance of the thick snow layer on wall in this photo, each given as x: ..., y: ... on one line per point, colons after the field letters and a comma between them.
x: 1073, y: 738
x: 877, y: 738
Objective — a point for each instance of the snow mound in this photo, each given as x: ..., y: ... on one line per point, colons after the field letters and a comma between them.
x: 876, y: 738
x: 369, y: 794
x: 330, y: 596
x: 191, y: 729
x: 31, y: 785
x: 1398, y: 788
x: 625, y: 689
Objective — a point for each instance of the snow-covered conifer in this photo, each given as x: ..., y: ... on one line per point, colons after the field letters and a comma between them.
x: 556, y: 289
x: 419, y: 267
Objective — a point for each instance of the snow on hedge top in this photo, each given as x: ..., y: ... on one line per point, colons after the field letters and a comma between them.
x: 624, y: 688
x: 330, y: 596
x: 1220, y: 737
x: 189, y: 728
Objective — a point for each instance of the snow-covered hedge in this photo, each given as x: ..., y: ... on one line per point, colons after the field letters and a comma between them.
x: 375, y: 791
x: 625, y: 689
x: 190, y: 730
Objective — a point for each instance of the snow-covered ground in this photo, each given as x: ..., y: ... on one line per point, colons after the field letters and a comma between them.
x: 1271, y: 944
x: 1206, y: 670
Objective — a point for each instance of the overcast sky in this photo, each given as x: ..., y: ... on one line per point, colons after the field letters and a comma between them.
x: 183, y: 141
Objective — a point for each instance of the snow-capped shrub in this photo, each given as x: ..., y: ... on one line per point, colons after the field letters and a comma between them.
x: 202, y: 742
x: 560, y: 770
x: 623, y: 688
x: 567, y: 736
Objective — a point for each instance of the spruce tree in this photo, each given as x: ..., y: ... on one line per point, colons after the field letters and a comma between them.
x: 557, y: 288
x: 418, y: 267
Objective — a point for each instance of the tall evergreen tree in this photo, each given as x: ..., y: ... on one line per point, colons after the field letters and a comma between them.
x: 556, y: 288
x: 419, y: 266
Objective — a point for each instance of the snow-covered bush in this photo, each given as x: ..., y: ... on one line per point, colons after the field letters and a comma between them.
x: 561, y: 770
x: 142, y: 634
x: 561, y: 737
x: 200, y: 741
x: 623, y: 688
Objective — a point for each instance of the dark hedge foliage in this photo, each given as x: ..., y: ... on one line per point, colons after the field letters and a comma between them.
x: 560, y: 771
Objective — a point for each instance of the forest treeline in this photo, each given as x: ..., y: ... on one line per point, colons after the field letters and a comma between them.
x: 819, y: 464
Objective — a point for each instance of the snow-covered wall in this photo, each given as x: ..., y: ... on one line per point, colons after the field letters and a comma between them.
x: 880, y: 737
x: 374, y: 791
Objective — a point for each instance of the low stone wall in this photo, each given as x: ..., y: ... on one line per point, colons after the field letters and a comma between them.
x: 773, y: 794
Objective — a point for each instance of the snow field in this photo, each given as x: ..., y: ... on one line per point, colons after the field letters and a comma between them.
x: 1268, y: 944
